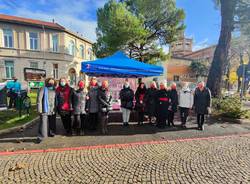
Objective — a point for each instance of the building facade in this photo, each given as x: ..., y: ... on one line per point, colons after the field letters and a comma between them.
x: 35, y: 44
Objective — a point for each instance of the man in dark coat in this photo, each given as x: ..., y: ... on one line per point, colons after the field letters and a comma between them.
x: 173, y: 105
x: 202, y: 103
x: 149, y: 99
x: 162, y: 105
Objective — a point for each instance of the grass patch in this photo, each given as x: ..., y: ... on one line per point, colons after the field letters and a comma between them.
x: 10, y: 118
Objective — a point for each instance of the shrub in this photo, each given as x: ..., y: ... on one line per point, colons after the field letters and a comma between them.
x: 229, y: 107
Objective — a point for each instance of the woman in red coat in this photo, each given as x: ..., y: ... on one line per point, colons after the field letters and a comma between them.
x: 64, y: 103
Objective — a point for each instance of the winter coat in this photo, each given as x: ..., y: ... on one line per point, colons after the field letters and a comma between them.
x: 186, y: 98
x: 174, y: 100
x: 51, y: 101
x: 162, y: 103
x: 79, y: 102
x: 150, y: 101
x: 93, y: 102
x: 202, y: 100
x: 139, y: 99
x: 64, y: 98
x: 127, y: 98
x: 104, y: 98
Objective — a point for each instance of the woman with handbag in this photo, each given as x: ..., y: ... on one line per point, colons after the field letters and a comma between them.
x: 140, y: 102
x: 127, y: 104
x: 104, y: 98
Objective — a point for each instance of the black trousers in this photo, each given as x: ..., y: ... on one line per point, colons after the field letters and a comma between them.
x: 79, y: 121
x: 184, y: 112
x: 200, y: 119
x: 93, y: 121
x: 140, y: 117
x: 161, y: 121
x: 12, y: 101
x: 170, y: 118
x: 66, y: 120
x: 47, y: 125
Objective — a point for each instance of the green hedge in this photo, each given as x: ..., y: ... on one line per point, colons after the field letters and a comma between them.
x: 228, y: 107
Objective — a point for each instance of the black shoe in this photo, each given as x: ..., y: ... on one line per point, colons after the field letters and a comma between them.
x: 38, y: 140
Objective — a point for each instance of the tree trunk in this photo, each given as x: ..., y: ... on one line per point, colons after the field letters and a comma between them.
x: 214, y: 82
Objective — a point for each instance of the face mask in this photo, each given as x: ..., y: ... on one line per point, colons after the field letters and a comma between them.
x: 62, y: 84
x: 50, y: 87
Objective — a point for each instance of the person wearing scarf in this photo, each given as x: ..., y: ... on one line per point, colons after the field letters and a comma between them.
x: 64, y: 106
x: 79, y: 103
x: 140, y: 102
x: 46, y: 107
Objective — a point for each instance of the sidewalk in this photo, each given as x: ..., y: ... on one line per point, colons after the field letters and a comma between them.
x: 25, y: 140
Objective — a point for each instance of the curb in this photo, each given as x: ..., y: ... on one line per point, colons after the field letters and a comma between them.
x: 238, y: 121
x: 120, y: 146
x: 16, y: 128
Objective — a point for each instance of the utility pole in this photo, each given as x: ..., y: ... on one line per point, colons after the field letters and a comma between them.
x: 243, y: 77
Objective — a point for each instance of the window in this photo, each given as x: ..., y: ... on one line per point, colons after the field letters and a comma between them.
x: 34, y: 64
x: 8, y: 38
x: 90, y: 53
x: 9, y: 69
x: 33, y: 41
x: 55, y: 71
x: 55, y: 42
x: 82, y: 51
x: 176, y: 78
x: 72, y: 48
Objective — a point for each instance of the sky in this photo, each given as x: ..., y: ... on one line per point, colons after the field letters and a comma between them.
x: 202, y: 18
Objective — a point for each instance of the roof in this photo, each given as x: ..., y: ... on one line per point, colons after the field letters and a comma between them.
x: 32, y: 22
x: 38, y: 23
x: 201, y: 50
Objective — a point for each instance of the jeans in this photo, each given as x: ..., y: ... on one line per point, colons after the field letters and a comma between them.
x: 79, y: 121
x: 125, y: 115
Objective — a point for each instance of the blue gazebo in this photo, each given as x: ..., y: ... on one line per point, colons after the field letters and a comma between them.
x: 120, y: 66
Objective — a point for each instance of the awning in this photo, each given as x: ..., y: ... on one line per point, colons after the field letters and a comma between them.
x: 119, y: 65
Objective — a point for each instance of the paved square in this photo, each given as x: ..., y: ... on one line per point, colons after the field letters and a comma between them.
x: 223, y: 160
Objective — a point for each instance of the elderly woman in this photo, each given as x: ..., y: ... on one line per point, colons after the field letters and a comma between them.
x: 64, y: 106
x: 104, y: 106
x: 202, y: 103
x: 46, y: 107
x: 162, y: 105
x: 174, y: 103
x: 92, y: 106
x: 79, y: 103
x: 127, y: 104
x: 140, y: 102
x: 149, y: 99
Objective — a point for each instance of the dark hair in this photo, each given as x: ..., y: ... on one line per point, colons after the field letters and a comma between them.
x: 141, y: 90
x: 48, y: 79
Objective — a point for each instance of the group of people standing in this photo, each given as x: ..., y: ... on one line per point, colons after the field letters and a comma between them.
x: 162, y: 104
x: 66, y: 101
x: 91, y: 105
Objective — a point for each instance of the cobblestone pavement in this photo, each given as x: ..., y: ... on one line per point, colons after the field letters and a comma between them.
x: 224, y: 160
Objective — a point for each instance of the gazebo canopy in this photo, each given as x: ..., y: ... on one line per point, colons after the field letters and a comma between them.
x: 119, y: 65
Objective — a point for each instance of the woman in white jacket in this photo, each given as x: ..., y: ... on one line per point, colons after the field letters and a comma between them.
x: 186, y: 100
